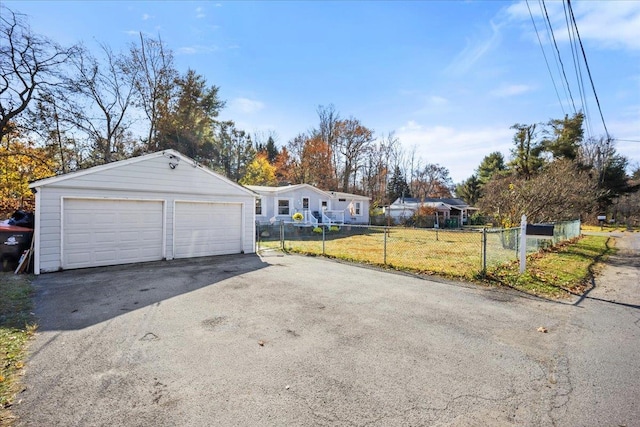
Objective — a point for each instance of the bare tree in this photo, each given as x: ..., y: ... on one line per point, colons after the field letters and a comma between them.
x: 101, y: 95
x: 353, y: 142
x: 28, y: 62
x: 328, y: 133
x: 377, y: 169
x: 560, y: 191
x: 153, y: 81
x: 432, y: 181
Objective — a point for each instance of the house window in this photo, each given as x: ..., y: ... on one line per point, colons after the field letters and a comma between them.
x: 323, y: 204
x: 258, y: 206
x: 283, y: 207
x: 357, y: 208
x: 305, y: 203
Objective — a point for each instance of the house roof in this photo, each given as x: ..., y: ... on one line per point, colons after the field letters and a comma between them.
x: 428, y: 200
x: 265, y: 190
x: 170, y: 154
x: 414, y: 205
x: 341, y: 195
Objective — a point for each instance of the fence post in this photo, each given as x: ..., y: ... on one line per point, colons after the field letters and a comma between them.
x: 323, y: 240
x: 523, y: 243
x: 258, y: 235
x: 484, y: 252
x: 282, y: 234
x: 385, y: 246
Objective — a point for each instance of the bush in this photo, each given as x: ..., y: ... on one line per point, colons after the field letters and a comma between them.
x: 297, y: 216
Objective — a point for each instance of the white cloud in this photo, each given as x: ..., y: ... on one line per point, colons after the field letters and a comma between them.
x: 246, y: 105
x: 611, y: 24
x: 145, y: 16
x: 438, y: 100
x: 474, y: 51
x: 505, y: 91
x: 200, y: 13
x: 192, y: 50
x: 459, y: 150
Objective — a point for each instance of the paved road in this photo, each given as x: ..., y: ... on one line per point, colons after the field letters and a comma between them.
x: 290, y: 340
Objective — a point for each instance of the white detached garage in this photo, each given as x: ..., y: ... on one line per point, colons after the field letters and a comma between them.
x: 158, y: 206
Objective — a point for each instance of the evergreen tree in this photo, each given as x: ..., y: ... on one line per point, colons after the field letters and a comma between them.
x: 469, y: 190
x: 526, y: 158
x: 271, y: 150
x: 491, y: 164
x: 565, y: 137
x: 187, y: 123
x: 398, y: 186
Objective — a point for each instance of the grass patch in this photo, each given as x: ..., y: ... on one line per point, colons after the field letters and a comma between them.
x: 552, y: 273
x: 610, y: 228
x: 16, y: 327
x: 447, y: 253
x: 556, y: 272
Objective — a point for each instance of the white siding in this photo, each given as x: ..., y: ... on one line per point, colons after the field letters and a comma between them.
x: 150, y: 179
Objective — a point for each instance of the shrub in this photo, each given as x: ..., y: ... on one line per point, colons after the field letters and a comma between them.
x: 297, y: 216
x: 317, y: 230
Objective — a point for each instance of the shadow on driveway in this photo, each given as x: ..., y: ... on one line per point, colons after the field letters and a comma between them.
x: 76, y: 299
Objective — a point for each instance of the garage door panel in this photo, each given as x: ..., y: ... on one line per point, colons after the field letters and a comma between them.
x: 204, y: 229
x: 111, y: 232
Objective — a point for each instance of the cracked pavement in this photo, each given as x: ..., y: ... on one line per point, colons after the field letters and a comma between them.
x: 290, y: 340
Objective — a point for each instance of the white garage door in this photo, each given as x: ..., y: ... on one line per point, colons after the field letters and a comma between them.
x: 204, y: 229
x: 111, y: 232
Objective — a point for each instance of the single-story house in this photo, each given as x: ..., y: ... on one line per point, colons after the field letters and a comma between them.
x: 446, y: 209
x: 315, y: 205
x: 157, y: 206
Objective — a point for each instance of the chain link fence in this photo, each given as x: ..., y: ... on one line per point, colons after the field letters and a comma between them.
x: 465, y: 253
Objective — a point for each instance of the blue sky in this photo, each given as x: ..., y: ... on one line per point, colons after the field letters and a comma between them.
x: 449, y: 78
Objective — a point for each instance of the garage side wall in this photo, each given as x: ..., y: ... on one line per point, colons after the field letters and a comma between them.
x: 151, y: 180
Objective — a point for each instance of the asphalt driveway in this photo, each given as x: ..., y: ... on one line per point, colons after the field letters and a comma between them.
x: 290, y: 340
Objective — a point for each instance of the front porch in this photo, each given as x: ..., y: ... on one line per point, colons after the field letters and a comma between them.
x: 326, y: 218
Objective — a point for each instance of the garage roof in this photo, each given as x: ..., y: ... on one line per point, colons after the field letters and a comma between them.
x: 171, y: 155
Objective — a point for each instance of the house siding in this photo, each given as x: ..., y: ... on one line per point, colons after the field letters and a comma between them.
x: 150, y: 179
x: 296, y: 193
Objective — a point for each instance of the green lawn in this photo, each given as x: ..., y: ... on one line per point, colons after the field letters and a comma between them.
x: 557, y: 272
x: 550, y: 273
x: 447, y: 253
x: 16, y: 327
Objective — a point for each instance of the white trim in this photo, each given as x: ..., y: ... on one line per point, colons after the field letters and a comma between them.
x: 114, y: 199
x: 61, y: 263
x: 243, y: 227
x: 36, y: 236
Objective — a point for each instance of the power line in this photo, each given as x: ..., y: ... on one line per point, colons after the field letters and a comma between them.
x: 545, y: 58
x: 584, y: 55
x: 578, y: 70
x: 559, y: 56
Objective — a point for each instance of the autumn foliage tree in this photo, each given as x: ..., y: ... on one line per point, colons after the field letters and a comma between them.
x: 259, y: 172
x: 21, y: 162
